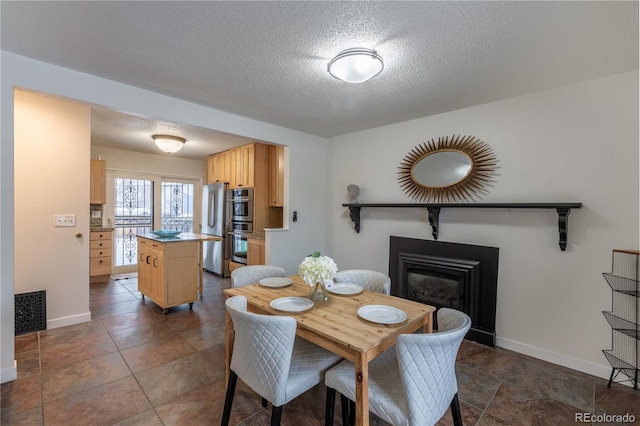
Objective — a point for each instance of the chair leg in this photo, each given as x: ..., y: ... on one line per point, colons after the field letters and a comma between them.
x: 276, y: 415
x: 352, y: 413
x: 264, y: 402
x: 330, y: 405
x: 455, y: 411
x: 344, y: 402
x: 228, y: 400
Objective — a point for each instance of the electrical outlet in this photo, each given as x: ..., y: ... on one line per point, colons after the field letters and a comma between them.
x: 65, y: 220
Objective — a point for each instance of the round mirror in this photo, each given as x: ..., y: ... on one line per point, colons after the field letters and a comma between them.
x: 443, y: 168
x: 447, y: 169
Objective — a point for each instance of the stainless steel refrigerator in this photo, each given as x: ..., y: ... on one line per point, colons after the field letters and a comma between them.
x: 214, y: 222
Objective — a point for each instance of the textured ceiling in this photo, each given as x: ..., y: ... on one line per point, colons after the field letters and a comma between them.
x: 267, y: 60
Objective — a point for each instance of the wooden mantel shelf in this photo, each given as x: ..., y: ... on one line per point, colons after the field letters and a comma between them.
x: 563, y: 210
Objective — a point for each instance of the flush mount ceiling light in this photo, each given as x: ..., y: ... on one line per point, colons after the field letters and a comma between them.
x: 169, y: 144
x: 356, y: 65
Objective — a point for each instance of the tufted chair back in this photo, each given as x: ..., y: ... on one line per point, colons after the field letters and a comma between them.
x: 427, y: 367
x: 369, y: 280
x: 253, y: 273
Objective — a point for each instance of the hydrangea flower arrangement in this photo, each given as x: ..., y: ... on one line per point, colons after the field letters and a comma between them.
x: 316, y: 268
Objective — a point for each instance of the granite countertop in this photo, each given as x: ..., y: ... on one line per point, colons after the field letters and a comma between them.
x: 185, y: 236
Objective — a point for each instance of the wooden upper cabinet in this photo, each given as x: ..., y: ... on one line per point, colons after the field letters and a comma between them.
x: 98, y: 178
x: 211, y: 169
x: 218, y: 168
x: 276, y: 175
x: 241, y: 166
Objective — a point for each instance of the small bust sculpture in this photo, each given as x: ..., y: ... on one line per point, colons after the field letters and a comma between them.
x: 353, y: 191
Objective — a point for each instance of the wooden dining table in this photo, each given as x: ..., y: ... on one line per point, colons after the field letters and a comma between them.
x: 336, y: 326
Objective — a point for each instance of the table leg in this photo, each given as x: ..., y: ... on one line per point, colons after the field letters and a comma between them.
x: 201, y: 282
x: 427, y: 323
x: 362, y: 390
x: 228, y: 349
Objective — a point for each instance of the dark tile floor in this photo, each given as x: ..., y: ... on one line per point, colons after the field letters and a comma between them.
x: 132, y: 365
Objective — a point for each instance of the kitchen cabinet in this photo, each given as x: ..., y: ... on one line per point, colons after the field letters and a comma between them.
x: 249, y: 167
x: 218, y: 168
x: 276, y: 175
x: 100, y: 244
x: 264, y: 215
x: 255, y: 251
x: 242, y: 166
x: 235, y: 265
x: 168, y: 272
x: 98, y: 179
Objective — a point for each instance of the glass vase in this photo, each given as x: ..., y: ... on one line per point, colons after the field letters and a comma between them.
x: 319, y: 292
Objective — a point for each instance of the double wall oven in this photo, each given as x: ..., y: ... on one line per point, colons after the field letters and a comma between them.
x: 241, y: 201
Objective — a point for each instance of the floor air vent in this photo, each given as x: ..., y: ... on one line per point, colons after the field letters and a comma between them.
x: 31, y: 312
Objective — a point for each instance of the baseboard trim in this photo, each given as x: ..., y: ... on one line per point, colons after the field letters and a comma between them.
x: 9, y: 374
x: 602, y: 371
x: 71, y: 320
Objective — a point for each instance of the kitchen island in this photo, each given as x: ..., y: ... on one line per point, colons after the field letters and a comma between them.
x: 170, y: 269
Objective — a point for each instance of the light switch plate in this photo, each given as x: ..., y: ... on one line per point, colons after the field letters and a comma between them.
x: 65, y: 220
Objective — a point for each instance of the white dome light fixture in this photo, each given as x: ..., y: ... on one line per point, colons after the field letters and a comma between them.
x: 356, y: 65
x: 169, y: 144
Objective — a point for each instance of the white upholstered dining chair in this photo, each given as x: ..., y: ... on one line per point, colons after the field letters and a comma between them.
x: 414, y: 384
x: 269, y: 358
x: 369, y: 280
x: 251, y: 274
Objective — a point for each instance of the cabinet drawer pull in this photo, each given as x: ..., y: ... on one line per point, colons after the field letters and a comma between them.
x: 100, y: 262
x: 155, y: 262
x: 148, y: 260
x: 141, y: 257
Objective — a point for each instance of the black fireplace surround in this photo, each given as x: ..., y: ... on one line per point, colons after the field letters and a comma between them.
x: 441, y: 274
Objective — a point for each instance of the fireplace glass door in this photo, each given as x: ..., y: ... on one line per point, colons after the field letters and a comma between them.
x: 436, y: 289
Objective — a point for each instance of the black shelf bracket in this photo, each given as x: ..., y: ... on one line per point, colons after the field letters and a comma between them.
x: 563, y: 223
x: 434, y: 218
x: 354, y: 214
x: 563, y: 210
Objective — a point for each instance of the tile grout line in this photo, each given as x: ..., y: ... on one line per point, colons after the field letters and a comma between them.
x: 484, y: 411
x: 40, y: 380
x: 154, y: 408
x: 131, y: 371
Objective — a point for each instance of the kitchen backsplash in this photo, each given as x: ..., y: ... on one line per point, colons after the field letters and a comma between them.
x: 96, y: 214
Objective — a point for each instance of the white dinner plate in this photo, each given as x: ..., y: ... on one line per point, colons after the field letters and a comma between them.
x: 345, y: 289
x: 292, y: 304
x: 275, y: 282
x: 382, y: 314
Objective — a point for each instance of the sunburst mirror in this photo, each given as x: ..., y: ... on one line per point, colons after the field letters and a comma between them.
x: 447, y: 169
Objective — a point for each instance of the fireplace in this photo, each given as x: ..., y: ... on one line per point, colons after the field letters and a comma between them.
x: 441, y: 274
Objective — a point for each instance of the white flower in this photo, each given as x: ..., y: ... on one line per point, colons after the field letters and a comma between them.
x: 315, y: 268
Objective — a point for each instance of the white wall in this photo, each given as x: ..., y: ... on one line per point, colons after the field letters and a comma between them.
x: 573, y: 144
x: 307, y: 154
x: 52, y: 177
x: 118, y: 159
